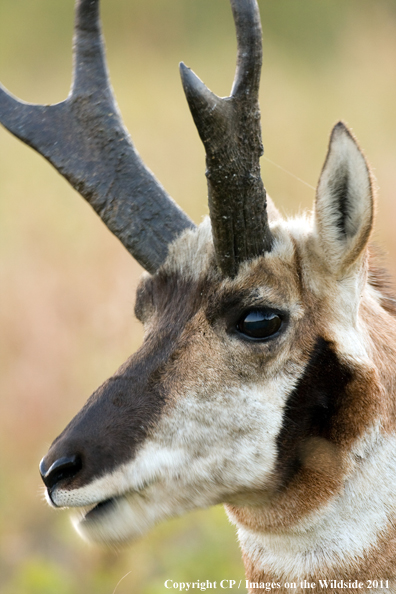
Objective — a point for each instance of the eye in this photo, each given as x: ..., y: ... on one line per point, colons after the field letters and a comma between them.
x: 259, y: 324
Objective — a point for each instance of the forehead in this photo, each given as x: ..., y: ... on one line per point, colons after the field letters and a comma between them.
x: 273, y: 278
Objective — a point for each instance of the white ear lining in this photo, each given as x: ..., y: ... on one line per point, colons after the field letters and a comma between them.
x: 344, y: 201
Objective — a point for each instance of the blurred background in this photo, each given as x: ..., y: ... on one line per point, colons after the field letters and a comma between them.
x: 67, y: 285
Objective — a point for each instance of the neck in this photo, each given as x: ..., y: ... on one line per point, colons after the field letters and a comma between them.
x: 352, y: 537
x: 336, y: 518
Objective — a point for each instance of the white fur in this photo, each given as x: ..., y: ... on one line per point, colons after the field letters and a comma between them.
x: 343, y: 530
x: 193, y: 246
x: 200, y: 454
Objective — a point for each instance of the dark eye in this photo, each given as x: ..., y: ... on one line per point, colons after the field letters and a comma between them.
x: 259, y: 324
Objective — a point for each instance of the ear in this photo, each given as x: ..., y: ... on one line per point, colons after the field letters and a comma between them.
x: 344, y: 202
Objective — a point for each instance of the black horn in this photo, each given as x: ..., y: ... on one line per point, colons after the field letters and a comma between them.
x: 85, y: 140
x: 230, y: 130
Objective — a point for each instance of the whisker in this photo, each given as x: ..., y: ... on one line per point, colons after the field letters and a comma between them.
x: 126, y: 575
x: 290, y: 173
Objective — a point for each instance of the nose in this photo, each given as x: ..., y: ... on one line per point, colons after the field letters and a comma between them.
x: 63, y: 468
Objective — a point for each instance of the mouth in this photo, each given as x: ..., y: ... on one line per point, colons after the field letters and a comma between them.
x: 113, y: 521
x: 121, y: 518
x: 99, y: 510
x: 96, y: 512
x: 94, y: 522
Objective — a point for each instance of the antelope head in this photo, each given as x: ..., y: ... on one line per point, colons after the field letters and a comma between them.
x: 254, y: 351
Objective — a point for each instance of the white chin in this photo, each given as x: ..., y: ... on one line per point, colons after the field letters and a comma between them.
x: 127, y: 517
x: 115, y: 521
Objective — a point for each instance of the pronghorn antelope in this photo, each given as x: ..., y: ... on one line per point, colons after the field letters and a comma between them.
x: 265, y: 379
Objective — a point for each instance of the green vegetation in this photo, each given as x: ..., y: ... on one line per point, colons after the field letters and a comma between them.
x: 67, y: 286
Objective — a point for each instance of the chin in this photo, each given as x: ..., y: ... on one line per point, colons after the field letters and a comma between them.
x: 116, y: 521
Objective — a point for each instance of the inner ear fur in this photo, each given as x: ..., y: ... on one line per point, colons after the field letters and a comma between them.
x: 344, y: 206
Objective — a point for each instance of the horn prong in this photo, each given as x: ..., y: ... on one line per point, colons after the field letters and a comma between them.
x: 229, y: 128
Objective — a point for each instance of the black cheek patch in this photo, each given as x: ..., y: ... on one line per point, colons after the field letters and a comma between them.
x: 312, y: 409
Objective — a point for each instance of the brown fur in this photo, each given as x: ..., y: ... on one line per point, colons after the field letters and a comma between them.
x: 323, y: 462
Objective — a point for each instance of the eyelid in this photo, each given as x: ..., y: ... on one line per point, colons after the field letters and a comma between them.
x: 244, y: 311
x: 259, y: 324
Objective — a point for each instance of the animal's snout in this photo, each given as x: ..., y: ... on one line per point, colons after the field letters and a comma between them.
x: 65, y: 467
x: 108, y: 430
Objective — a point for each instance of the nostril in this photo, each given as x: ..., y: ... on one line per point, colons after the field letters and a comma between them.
x: 65, y: 467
